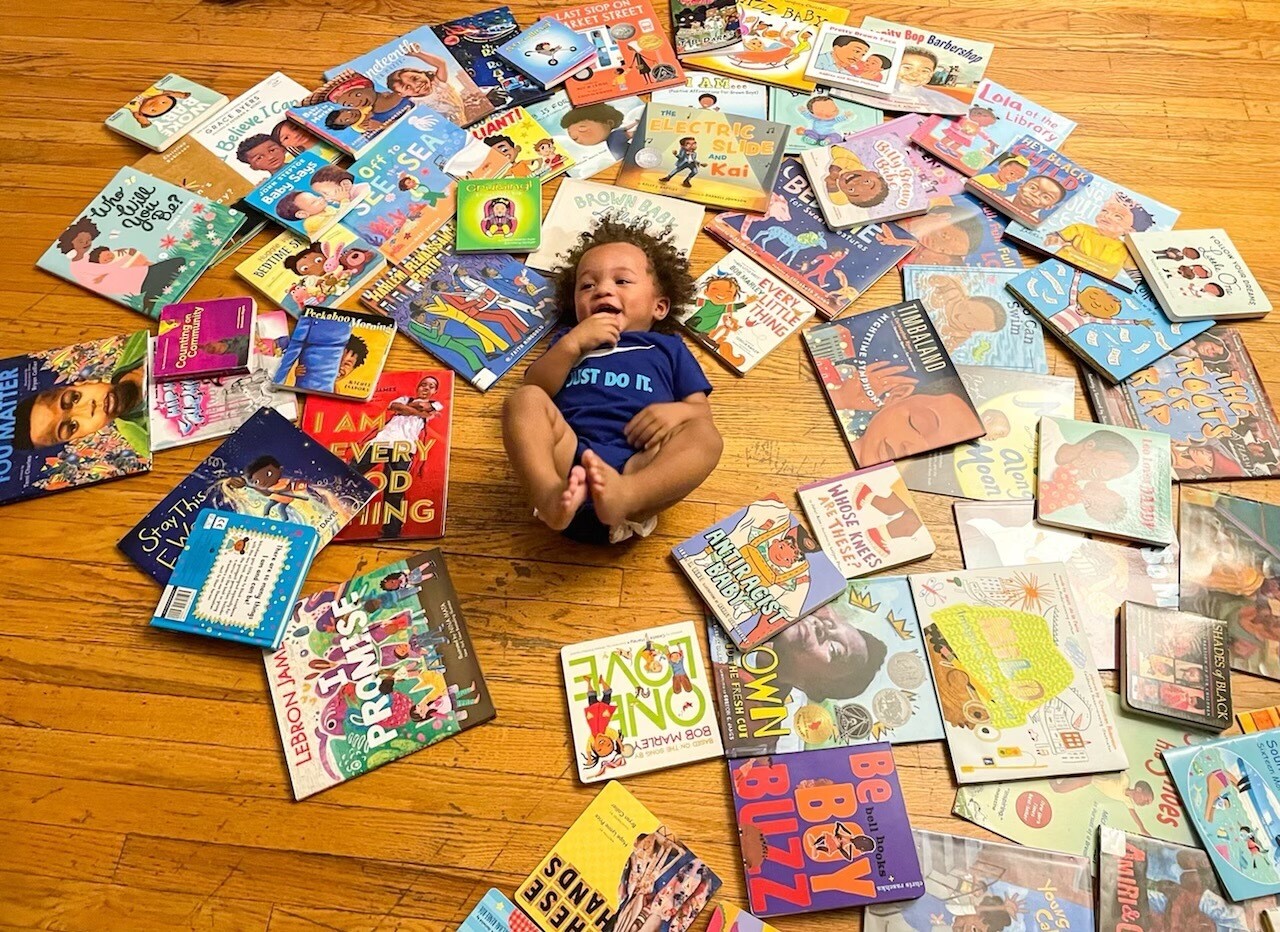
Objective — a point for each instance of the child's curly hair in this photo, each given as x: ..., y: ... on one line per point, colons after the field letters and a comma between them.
x: 670, y: 269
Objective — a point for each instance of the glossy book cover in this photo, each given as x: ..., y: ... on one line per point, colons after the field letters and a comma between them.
x: 718, y: 92
x: 473, y: 41
x: 524, y: 146
x: 873, y: 175
x: 593, y: 137
x: 817, y: 118
x: 548, y: 51
x: 165, y: 112
x: 308, y: 195
x: 499, y: 215
x: 633, y: 53
x: 1197, y: 274
x: 857, y: 59
x: 349, y: 111
x: 204, y: 339
x: 1029, y: 181
x: 297, y: 273
x: 1174, y: 664
x: 705, y: 26
x: 251, y: 135
x: 959, y: 230
x: 333, y: 351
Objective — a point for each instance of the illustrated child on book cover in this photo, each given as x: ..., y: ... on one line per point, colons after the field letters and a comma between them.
x: 720, y: 299
x: 1081, y: 474
x: 499, y: 217
x: 686, y: 160
x: 852, y: 55
x: 1100, y: 246
x: 826, y: 117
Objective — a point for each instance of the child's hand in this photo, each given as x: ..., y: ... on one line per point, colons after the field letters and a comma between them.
x: 655, y: 423
x: 596, y: 331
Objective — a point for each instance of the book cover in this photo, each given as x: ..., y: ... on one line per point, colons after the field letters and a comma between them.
x: 817, y: 118
x: 165, y: 112
x: 1230, y: 546
x: 1111, y: 480
x: 473, y: 41
x: 1174, y: 664
x: 399, y: 441
x: 1197, y: 274
x: 759, y: 570
x: 874, y: 175
x: 614, y: 868
x: 141, y: 242
x: 639, y: 702
x: 297, y: 273
x: 189, y: 165
x: 866, y: 520
x: 528, y: 149
x: 829, y: 268
x: 729, y: 918
x: 1229, y: 787
x: 548, y: 51
x: 959, y: 230
x: 1015, y: 675
x: 632, y: 52
x: 741, y: 157
x: 891, y: 385
x: 73, y: 415
x: 308, y: 195
x: 1115, y: 332
x: 237, y: 578
x: 856, y: 59
x: 268, y: 468
x: 823, y: 830
x: 204, y: 339
x: 478, y: 314
x: 718, y: 92
x: 595, y: 136
x: 851, y: 673
x: 333, y: 351
x: 741, y: 312
x: 499, y: 215
x: 349, y: 111
x: 1029, y: 181
x: 979, y: 321
x: 705, y: 26
x: 1259, y: 719
x: 495, y: 913
x: 373, y: 669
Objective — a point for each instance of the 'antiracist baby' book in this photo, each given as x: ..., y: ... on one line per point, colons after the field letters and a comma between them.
x: 473, y: 40
x: 718, y: 92
x: 237, y: 578
x: 874, y: 175
x: 759, y: 570
x: 308, y: 195
x: 1174, y: 665
x: 297, y: 273
x: 499, y: 215
x: 165, y: 112
x: 333, y: 351
x: 524, y: 145
x: 496, y: 913
x: 548, y: 51
x: 633, y: 54
x: 818, y: 119
x: 349, y: 111
x: 823, y: 830
x: 204, y: 339
x: 1029, y: 181
x: 1197, y: 274
x: 855, y: 59
x: 639, y: 702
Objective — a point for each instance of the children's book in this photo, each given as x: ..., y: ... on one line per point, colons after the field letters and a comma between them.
x: 777, y: 39
x: 398, y: 440
x: 204, y: 339
x: 1001, y: 464
x: 268, y: 468
x: 759, y: 570
x: 337, y: 352
x: 639, y: 702
x: 1231, y: 791
x: 308, y: 195
x: 850, y: 58
x: 477, y: 314
x: 866, y: 520
x: 297, y: 273
x: 549, y: 51
x: 980, y: 322
x: 165, y: 112
x: 875, y: 175
x: 1029, y: 181
x: 975, y: 884
x: 349, y: 111
x: 891, y: 385
x: 719, y: 159
x: 797, y: 857
x: 741, y: 312
x: 499, y: 215
x: 851, y: 673
x: 1259, y: 719
x: 141, y: 242
x: 1197, y: 274
x: 237, y: 578
x: 527, y: 149
x: 495, y: 913
x: 719, y: 93
x: 1063, y: 813
x: 1115, y: 332
x: 632, y: 52
x: 1110, y: 480
x: 473, y: 41
x: 73, y: 415
x: 1230, y: 547
x: 817, y: 118
x: 594, y: 137
x: 1015, y: 675
x: 959, y: 230
x: 1174, y: 665
x: 190, y: 166
x: 705, y: 27
x: 373, y: 669
x: 829, y: 268
x: 729, y: 918
x: 616, y: 864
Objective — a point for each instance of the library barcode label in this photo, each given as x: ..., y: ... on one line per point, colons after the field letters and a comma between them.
x: 175, y: 604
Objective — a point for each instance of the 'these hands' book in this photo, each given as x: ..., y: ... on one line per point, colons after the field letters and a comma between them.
x: 1197, y: 274
x: 297, y: 273
x: 1029, y: 181
x: 873, y: 175
x: 548, y: 51
x: 333, y: 351
x: 633, y: 54
x: 204, y: 339
x: 1174, y: 664
x: 165, y: 112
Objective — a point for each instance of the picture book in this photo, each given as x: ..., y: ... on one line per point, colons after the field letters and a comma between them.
x: 499, y: 215
x: 297, y: 273
x: 639, y: 702
x: 1110, y: 480
x: 549, y: 51
x: 165, y: 112
x: 334, y: 351
x: 1230, y: 789
x: 975, y: 884
x: 268, y: 468
x: 349, y: 111
x: 823, y: 829
x: 373, y: 669
x: 308, y: 195
x: 829, y: 268
x: 1029, y: 181
x: 866, y: 520
x: 632, y: 52
x: 204, y: 339
x: 399, y: 441
x: 705, y: 27
x: 473, y: 41
x: 495, y: 913
x: 719, y: 93
x: 579, y: 205
x: 617, y: 864
x: 874, y: 175
x: 1174, y: 665
x: 729, y: 918
x: 594, y: 137
x: 141, y: 242
x: 1259, y: 719
x: 237, y: 578
x: 891, y: 384
x: 857, y: 59
x: 777, y: 39
x: 1015, y: 675
x: 759, y: 570
x: 72, y: 416
x: 1230, y: 546
x: 818, y: 119
x: 527, y: 148
x: 1197, y: 274
x: 189, y: 165
x: 1001, y: 464
x: 741, y: 157
x: 1115, y: 332
x: 421, y: 68
x: 979, y: 321
x: 959, y: 230
x: 251, y: 135
x: 476, y: 314
x: 741, y: 312
x: 1063, y: 813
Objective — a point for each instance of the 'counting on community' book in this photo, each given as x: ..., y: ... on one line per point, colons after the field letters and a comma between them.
x: 165, y: 112
x: 499, y: 215
x: 204, y: 339
x: 334, y: 351
x: 1029, y: 181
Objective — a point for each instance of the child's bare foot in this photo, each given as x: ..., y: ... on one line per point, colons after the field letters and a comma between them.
x: 609, y: 490
x: 557, y: 507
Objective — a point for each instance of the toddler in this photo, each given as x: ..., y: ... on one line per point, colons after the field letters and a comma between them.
x: 612, y: 424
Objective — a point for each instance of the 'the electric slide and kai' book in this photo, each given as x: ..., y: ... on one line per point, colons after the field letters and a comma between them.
x: 1029, y: 181
x: 296, y: 273
x: 204, y: 339
x: 333, y: 351
x: 1197, y: 274
x: 165, y: 112
x: 1174, y: 665
x: 633, y: 54
x: 548, y: 51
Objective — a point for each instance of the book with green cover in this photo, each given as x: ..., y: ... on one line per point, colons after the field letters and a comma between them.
x: 499, y: 215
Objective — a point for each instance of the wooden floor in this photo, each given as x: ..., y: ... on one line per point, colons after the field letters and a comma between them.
x: 142, y: 781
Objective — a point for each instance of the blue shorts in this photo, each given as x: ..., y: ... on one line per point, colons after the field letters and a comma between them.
x: 585, y: 527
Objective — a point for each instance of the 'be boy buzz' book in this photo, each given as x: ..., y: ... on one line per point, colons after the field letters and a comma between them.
x: 165, y: 112
x: 296, y: 273
x: 499, y: 215
x: 633, y: 54
x: 1029, y: 181
x: 337, y: 352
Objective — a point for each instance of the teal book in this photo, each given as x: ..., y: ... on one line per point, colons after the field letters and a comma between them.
x: 165, y: 112
x: 499, y: 215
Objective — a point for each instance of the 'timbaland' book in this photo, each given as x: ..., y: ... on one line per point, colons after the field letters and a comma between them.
x: 165, y: 112
x: 1197, y: 274
x: 1029, y: 181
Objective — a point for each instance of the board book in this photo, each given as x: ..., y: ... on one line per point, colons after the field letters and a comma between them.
x: 204, y: 339
x: 705, y: 27
x: 719, y: 93
x: 548, y: 51
x: 308, y: 195
x: 499, y: 215
x: 959, y: 230
x: 1029, y: 181
x: 165, y: 112
x: 349, y: 111
x: 1197, y: 274
x: 296, y: 273
x: 191, y: 166
x: 594, y: 137
x: 818, y: 119
x: 874, y: 175
x: 337, y: 352
x: 855, y: 59
x: 473, y: 41
x: 495, y: 913
x: 524, y: 144
x: 632, y: 52
x: 1174, y: 665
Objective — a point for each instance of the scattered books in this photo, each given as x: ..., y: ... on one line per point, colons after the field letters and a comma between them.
x: 855, y: 59
x: 193, y: 167
x: 349, y: 111
x: 593, y: 137
x: 632, y: 52
x: 525, y: 146
x: 548, y: 51
x: 874, y: 175
x: 1029, y: 181
x: 719, y: 93
x: 499, y: 215
x: 165, y: 112
x: 297, y: 273
x: 705, y: 27
x: 817, y: 118
x: 336, y: 352
x: 308, y: 195
x: 204, y: 339
x: 1197, y: 274
x: 1174, y: 665
x: 471, y: 40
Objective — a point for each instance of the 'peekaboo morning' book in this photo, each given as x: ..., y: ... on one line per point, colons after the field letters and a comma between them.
x: 297, y: 274
x: 633, y: 54
x: 874, y: 175
x: 499, y: 215
x: 165, y: 112
x: 308, y: 195
x: 333, y: 351
x: 548, y: 51
x: 204, y: 339
x: 473, y: 42
x: 1029, y: 181
x: 1174, y: 665
x: 349, y: 111
x: 1197, y: 274
x: 717, y: 92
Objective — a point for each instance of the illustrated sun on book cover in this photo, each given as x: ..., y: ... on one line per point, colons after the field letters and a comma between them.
x: 204, y: 339
x: 1197, y: 274
x: 333, y: 351
x: 499, y: 215
x: 1029, y: 181
x: 165, y: 112
x: 853, y: 58
x: 873, y: 175
x: 527, y: 148
x: 349, y: 111
x: 495, y: 913
x: 705, y: 27
x: 473, y: 41
x: 548, y: 51
x: 959, y: 230
x: 297, y: 274
x: 633, y: 54
x: 708, y: 91
x: 308, y: 195
x: 817, y: 118
x: 823, y: 830
x: 851, y: 673
x: 595, y: 136
x: 1174, y: 664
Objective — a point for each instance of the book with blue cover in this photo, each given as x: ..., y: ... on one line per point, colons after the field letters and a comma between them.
x: 349, y: 111
x: 237, y: 578
x: 959, y: 230
x: 473, y: 41
x: 1030, y: 181
x: 548, y: 51
x: 308, y: 195
x: 495, y: 913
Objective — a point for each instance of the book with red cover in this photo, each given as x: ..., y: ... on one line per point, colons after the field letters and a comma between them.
x: 633, y: 54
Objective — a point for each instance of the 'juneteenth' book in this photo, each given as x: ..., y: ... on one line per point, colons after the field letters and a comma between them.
x: 337, y: 352
x: 633, y: 54
x: 296, y: 274
x: 1197, y: 274
x: 165, y: 112
x: 1029, y: 181
x: 204, y: 339
x: 1174, y: 665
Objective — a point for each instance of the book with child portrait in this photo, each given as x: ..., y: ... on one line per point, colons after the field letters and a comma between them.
x: 473, y: 41
x: 939, y: 72
x: 850, y: 58
x: 524, y: 147
x: 498, y: 215
x: 349, y: 111
x: 297, y: 273
x: 633, y: 53
x: 594, y: 137
x: 165, y: 112
x: 337, y: 352
x: 873, y: 176
x: 1029, y: 181
x: 1197, y: 274
x: 1174, y: 665
x: 308, y: 195
x: 818, y: 119
x: 204, y: 339
x: 959, y: 230
x: 718, y: 92
x: 548, y: 51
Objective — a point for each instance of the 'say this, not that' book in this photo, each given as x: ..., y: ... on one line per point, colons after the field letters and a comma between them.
x: 165, y: 112
x: 499, y: 215
x: 333, y: 351
x: 204, y: 339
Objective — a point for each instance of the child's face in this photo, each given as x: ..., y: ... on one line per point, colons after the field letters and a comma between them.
x: 1011, y: 171
x: 824, y: 109
x: 413, y: 83
x: 1105, y: 465
x: 973, y: 315
x: 861, y: 186
x: 845, y: 55
x: 509, y: 150
x: 589, y: 132
x: 1039, y: 193
x: 345, y: 117
x: 347, y: 364
x: 783, y: 552
x: 310, y: 264
x: 156, y: 105
x: 307, y: 205
x: 871, y: 68
x: 915, y: 70
x: 356, y: 97
x: 945, y: 238
x: 427, y: 387
x: 293, y: 137
x: 616, y: 279
x: 689, y: 145
x: 1114, y: 219
x: 265, y: 477
x: 332, y: 190
x: 408, y: 182
x: 1098, y: 303
x: 546, y: 148
x: 721, y: 291
x: 706, y: 101
x: 266, y: 156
